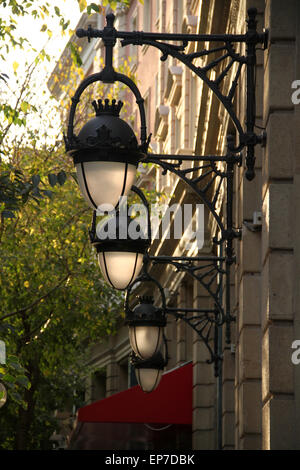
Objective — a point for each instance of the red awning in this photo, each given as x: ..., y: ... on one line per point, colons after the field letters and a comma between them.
x: 170, y: 403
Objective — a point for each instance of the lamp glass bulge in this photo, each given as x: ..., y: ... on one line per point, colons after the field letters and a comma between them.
x: 119, y: 268
x: 145, y: 340
x: 148, y: 379
x: 104, y: 182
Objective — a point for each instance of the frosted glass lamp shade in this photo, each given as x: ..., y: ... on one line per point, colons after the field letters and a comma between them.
x: 148, y: 371
x: 148, y: 379
x: 3, y: 395
x: 120, y: 268
x: 145, y: 340
x: 103, y: 182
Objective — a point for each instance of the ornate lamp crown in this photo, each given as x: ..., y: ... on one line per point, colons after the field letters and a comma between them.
x: 103, y: 107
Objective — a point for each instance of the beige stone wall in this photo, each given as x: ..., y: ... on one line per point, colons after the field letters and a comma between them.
x: 267, y: 274
x: 280, y: 244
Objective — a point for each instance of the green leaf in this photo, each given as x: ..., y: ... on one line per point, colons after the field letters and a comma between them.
x: 61, y: 177
x: 36, y: 192
x: 65, y: 25
x: 15, y: 66
x: 25, y: 106
x: 8, y: 378
x: 48, y: 193
x: 75, y: 55
x: 15, y: 365
x: 12, y: 357
x: 4, y: 77
x: 82, y: 5
x: 16, y: 396
x: 52, y: 179
x: 36, y: 180
x: 95, y: 7
x: 23, y: 380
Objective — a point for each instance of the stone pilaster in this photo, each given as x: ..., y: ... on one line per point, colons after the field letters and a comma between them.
x: 248, y: 285
x: 204, y: 394
x: 280, y: 309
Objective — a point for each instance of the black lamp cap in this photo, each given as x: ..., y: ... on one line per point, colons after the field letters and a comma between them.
x: 145, y: 314
x: 155, y: 362
x: 105, y: 137
x: 125, y: 246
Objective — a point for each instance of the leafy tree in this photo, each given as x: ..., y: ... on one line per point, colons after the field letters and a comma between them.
x: 15, y: 105
x: 54, y: 303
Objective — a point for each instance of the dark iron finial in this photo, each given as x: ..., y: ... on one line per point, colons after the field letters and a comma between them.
x: 110, y: 19
x: 252, y: 22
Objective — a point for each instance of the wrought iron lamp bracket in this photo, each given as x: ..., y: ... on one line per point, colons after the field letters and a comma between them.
x: 247, y: 138
x: 201, y: 184
x: 205, y: 322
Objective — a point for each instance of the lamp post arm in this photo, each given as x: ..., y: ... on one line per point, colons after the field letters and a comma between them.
x: 140, y: 36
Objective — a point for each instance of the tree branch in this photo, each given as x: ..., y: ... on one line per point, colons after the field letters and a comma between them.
x: 23, y: 310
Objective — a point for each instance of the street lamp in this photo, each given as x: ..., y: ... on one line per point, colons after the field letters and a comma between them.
x: 120, y: 259
x: 146, y: 323
x: 105, y: 154
x: 209, y: 176
x: 121, y: 243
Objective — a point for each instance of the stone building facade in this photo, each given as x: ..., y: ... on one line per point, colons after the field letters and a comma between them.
x: 260, y: 386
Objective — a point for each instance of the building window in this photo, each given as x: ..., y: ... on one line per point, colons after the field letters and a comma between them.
x: 127, y: 376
